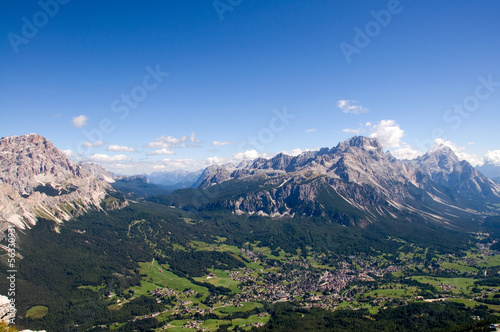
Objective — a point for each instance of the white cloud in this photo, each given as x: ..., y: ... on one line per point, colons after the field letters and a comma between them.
x: 406, y: 152
x: 169, y: 142
x: 390, y: 136
x: 219, y: 143
x: 352, y: 131
x: 249, y: 154
x: 450, y: 144
x: 312, y: 130
x: 69, y: 153
x: 460, y: 152
x: 351, y: 106
x: 159, y: 152
x: 293, y: 152
x: 80, y: 121
x: 146, y: 166
x: 93, y: 144
x: 342, y: 103
x: 120, y: 148
x: 215, y: 160
x: 388, y: 133
x: 98, y: 157
x: 178, y: 163
x: 362, y: 128
x: 297, y: 151
x: 492, y: 157
x: 187, y: 164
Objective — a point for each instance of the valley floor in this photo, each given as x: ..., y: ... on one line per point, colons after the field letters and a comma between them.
x: 156, y: 268
x: 244, y: 297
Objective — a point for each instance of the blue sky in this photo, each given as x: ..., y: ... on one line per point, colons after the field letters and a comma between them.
x: 159, y: 85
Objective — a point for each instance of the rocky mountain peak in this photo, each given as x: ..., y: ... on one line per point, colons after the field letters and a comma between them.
x: 29, y: 138
x: 39, y: 180
x: 28, y: 161
x: 362, y: 142
x: 442, y: 151
x: 439, y: 160
x: 444, y: 167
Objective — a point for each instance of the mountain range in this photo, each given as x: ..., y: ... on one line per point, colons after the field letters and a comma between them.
x: 353, y: 183
x: 175, y: 179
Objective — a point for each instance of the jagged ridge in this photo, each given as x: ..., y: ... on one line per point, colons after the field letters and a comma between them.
x: 358, y: 173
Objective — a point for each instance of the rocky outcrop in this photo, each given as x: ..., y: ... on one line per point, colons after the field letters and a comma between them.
x: 38, y: 180
x: 4, y: 309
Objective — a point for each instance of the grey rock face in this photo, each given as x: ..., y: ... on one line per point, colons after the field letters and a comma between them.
x: 38, y: 180
x: 443, y: 167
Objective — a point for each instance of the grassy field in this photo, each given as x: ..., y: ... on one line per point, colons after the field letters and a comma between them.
x: 247, y: 322
x: 203, y: 246
x: 37, y: 312
x: 156, y: 278
x: 177, y: 325
x: 266, y: 251
x: 485, y: 261
x: 461, y: 284
x: 222, y: 279
x: 459, y: 267
x: 214, y: 324
x: 387, y: 293
x: 144, y: 288
x: 247, y: 306
x: 493, y: 261
x: 93, y: 288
